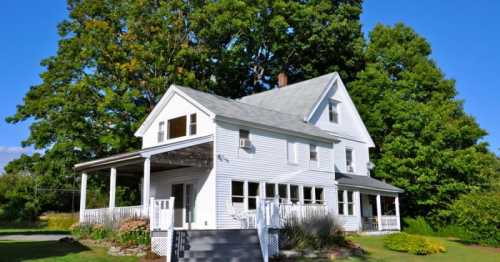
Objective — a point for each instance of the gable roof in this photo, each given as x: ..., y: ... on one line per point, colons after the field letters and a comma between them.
x: 305, y: 95
x: 364, y: 182
x: 229, y: 109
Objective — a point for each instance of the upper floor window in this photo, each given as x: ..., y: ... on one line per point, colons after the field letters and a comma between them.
x: 245, y: 139
x: 291, y: 150
x: 349, y: 162
x: 313, y: 152
x: 192, y: 124
x: 161, y: 131
x: 333, y: 113
x: 177, y: 127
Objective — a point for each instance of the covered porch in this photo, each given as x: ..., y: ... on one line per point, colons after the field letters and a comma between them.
x: 179, y: 169
x: 367, y: 204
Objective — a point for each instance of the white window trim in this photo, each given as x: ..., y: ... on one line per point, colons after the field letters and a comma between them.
x: 335, y: 102
x: 353, y: 160
x: 294, y: 161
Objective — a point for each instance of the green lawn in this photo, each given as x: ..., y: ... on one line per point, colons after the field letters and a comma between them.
x: 54, y: 251
x: 456, y: 252
x: 31, y: 231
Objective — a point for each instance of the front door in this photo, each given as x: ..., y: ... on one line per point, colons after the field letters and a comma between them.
x: 178, y: 193
x: 184, y: 205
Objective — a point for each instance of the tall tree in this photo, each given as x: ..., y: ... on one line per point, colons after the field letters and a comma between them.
x: 117, y: 57
x: 425, y: 142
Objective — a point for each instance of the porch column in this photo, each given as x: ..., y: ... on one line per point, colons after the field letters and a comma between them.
x: 145, y: 183
x: 112, y: 187
x: 83, y: 195
x: 396, y: 203
x: 379, y: 213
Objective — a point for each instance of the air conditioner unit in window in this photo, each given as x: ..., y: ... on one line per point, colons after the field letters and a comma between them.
x: 350, y: 169
x: 245, y: 143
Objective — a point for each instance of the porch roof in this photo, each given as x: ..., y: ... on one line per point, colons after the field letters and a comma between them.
x: 190, y: 152
x: 365, y: 182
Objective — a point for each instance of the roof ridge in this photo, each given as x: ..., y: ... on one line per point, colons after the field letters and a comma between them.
x: 289, y: 86
x: 241, y: 102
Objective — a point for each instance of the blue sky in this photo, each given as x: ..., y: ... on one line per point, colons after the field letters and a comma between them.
x: 463, y: 34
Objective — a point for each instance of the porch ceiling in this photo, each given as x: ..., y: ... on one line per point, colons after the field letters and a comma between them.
x: 196, y: 152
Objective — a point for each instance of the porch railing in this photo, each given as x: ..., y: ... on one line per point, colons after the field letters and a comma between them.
x: 111, y: 215
x: 389, y: 223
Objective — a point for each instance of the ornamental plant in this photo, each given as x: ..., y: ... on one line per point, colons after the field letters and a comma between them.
x: 417, y: 245
x: 134, y: 232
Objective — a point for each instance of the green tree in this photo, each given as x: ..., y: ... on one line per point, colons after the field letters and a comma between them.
x: 425, y: 142
x: 117, y: 57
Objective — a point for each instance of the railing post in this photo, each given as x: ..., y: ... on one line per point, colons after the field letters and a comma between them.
x: 379, y: 213
x: 396, y: 203
x: 83, y: 197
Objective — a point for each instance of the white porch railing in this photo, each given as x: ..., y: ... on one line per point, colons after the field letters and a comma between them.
x: 301, y: 211
x: 161, y: 223
x: 389, y: 223
x: 111, y: 215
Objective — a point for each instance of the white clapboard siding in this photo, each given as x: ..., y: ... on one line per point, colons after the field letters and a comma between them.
x: 266, y: 163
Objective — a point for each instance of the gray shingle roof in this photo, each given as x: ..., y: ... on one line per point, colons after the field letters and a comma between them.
x: 364, y: 182
x: 234, y: 109
x: 296, y: 99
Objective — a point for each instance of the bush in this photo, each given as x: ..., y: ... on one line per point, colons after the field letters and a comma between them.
x: 418, y: 226
x: 479, y: 215
x: 315, y: 232
x: 417, y: 245
x: 134, y: 232
x: 62, y: 221
x: 81, y: 231
x: 99, y: 232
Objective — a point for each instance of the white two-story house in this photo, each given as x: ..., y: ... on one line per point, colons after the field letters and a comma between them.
x: 304, y: 144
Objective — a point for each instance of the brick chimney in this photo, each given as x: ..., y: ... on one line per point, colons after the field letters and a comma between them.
x: 282, y: 79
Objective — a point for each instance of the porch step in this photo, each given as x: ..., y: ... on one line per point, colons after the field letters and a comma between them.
x: 217, y: 245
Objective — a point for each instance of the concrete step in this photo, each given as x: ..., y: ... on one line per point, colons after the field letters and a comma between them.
x: 234, y: 259
x: 223, y: 253
x: 217, y: 246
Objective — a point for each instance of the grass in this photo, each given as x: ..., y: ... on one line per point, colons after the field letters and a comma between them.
x: 456, y: 252
x: 55, y: 251
x: 30, y: 231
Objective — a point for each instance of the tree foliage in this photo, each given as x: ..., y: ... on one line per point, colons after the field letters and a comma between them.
x: 117, y: 57
x: 425, y: 142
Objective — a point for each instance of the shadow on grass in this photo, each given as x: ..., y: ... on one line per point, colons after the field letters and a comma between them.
x: 33, y: 232
x: 20, y: 251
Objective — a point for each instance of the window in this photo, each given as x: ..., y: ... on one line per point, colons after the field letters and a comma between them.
x: 177, y: 127
x: 161, y: 131
x: 244, y: 134
x: 253, y: 194
x: 313, y: 152
x: 270, y: 190
x: 319, y: 195
x: 350, y: 203
x: 283, y: 193
x: 237, y: 195
x: 340, y: 197
x: 388, y: 205
x: 349, y: 160
x: 333, y: 113
x: 294, y: 194
x: 192, y: 124
x: 291, y: 149
x: 308, y: 195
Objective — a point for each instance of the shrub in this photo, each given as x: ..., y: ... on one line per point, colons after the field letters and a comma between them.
x: 134, y: 232
x: 314, y: 232
x: 81, y: 231
x: 417, y: 245
x: 61, y: 221
x: 99, y: 232
x: 418, y: 226
x: 479, y: 215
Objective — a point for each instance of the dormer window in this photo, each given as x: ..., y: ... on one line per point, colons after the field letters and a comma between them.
x: 192, y: 124
x: 177, y: 127
x: 349, y: 163
x: 161, y: 131
x: 333, y: 112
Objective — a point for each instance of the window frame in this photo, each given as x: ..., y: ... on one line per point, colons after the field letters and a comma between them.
x: 161, y: 132
x: 313, y: 152
x: 341, y: 201
x: 294, y: 200
x: 283, y: 199
x: 333, y: 111
x: 169, y: 126
x: 193, y: 125
x: 353, y: 169
x: 291, y: 145
x: 310, y: 200
x: 252, y: 198
x: 274, y: 193
x: 350, y: 211
x: 233, y: 196
x: 320, y: 201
